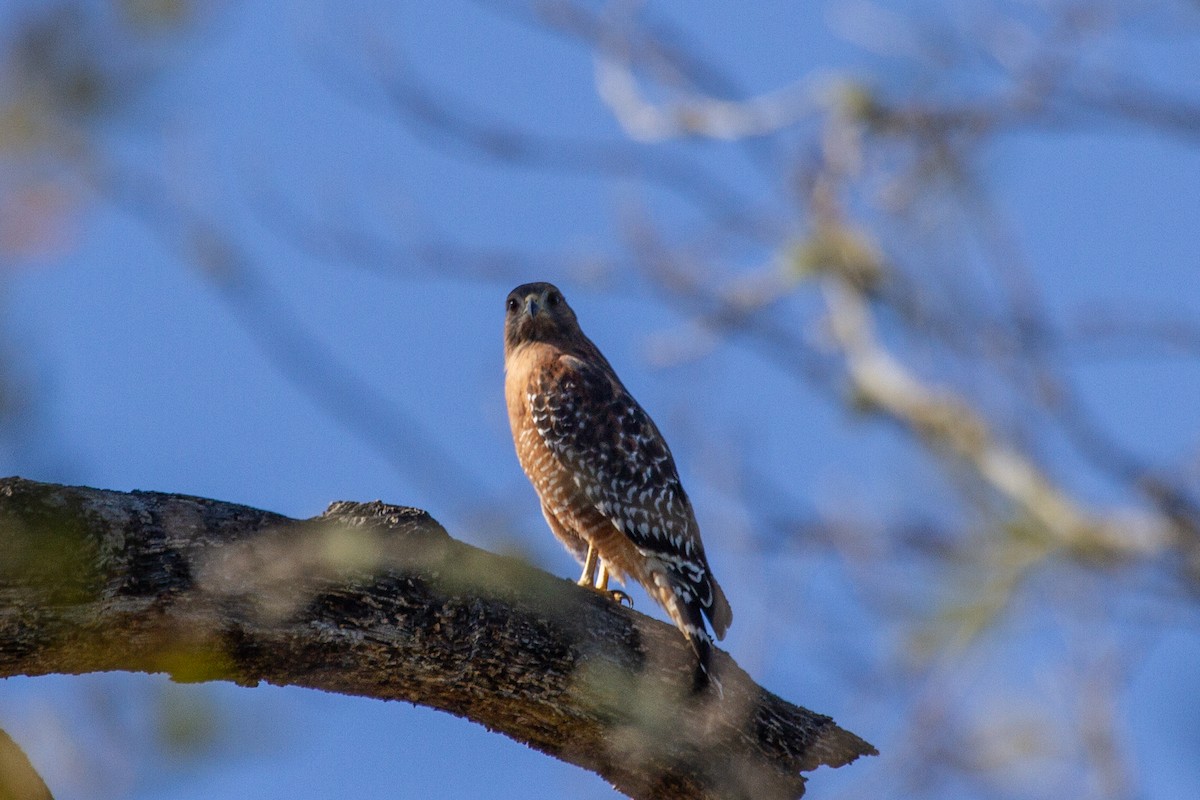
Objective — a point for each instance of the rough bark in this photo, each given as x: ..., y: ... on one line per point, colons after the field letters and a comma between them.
x: 378, y: 601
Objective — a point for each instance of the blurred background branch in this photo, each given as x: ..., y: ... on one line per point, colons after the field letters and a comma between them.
x: 18, y: 779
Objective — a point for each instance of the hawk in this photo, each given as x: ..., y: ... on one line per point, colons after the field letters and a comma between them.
x: 608, y: 484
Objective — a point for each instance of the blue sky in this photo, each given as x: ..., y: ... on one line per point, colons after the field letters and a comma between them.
x: 144, y: 376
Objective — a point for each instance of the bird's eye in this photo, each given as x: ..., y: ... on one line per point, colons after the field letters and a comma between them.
x: 512, y: 304
x: 553, y: 299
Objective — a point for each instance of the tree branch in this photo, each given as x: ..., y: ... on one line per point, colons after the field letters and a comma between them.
x: 378, y: 601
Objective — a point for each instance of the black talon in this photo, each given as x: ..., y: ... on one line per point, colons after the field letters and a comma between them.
x: 620, y: 597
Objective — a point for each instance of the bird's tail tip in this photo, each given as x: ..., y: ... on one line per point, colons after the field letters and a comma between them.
x: 705, y: 680
x: 704, y: 677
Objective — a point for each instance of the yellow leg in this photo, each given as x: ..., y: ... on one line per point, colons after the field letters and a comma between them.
x: 588, y: 577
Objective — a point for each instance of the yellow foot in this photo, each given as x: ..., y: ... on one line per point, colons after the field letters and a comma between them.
x: 616, y: 595
x: 601, y: 586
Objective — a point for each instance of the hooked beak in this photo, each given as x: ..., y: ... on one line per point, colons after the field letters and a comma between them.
x: 531, y: 306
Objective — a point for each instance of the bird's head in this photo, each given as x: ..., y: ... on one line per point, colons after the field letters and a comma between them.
x: 537, y: 312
